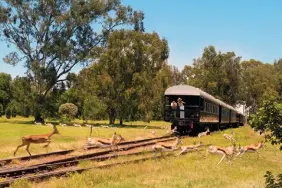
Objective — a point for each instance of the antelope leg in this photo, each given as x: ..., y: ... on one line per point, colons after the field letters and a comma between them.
x: 221, y: 159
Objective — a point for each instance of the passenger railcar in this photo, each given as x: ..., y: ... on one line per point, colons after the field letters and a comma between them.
x: 192, y: 110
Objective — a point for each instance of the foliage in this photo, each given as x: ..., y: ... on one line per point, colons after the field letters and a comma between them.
x: 13, y: 108
x: 92, y: 108
x: 270, y: 180
x: 1, y: 110
x: 123, y: 77
x: 5, y: 89
x: 269, y: 117
x: 259, y: 83
x: 22, y: 92
x: 216, y: 73
x: 52, y: 37
x: 68, y: 111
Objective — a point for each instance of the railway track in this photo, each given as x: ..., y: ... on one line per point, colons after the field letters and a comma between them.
x: 48, y: 169
x: 63, y: 172
x: 65, y: 152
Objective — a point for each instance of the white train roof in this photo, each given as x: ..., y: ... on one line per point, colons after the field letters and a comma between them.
x: 190, y: 90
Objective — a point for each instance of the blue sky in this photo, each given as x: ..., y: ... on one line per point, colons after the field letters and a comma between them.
x: 250, y: 28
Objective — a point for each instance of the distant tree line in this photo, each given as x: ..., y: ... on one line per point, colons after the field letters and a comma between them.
x: 128, y: 81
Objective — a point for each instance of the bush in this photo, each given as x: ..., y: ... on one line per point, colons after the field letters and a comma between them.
x: 68, y: 111
x: 271, y: 182
x: 269, y: 118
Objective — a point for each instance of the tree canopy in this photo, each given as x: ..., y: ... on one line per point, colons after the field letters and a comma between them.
x: 51, y: 37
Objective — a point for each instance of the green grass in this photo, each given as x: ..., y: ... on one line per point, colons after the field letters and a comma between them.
x: 190, y: 170
x: 12, y: 130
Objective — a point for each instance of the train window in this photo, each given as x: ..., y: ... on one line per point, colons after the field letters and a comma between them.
x: 202, y: 107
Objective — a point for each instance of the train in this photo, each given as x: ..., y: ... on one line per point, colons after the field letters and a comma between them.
x: 191, y: 110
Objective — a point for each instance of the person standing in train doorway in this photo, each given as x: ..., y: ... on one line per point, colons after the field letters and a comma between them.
x: 181, y: 107
x: 173, y: 105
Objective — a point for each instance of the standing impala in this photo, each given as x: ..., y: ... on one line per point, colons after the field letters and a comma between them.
x: 37, y: 139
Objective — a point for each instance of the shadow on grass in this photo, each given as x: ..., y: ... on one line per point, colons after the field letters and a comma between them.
x: 126, y: 126
x: 16, y: 121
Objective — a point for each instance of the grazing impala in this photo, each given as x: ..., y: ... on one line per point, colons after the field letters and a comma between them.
x: 250, y: 148
x: 37, y: 139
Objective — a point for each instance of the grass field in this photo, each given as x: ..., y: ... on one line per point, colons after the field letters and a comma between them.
x: 12, y: 130
x: 190, y: 170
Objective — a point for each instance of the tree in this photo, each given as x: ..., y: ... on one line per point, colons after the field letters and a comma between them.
x: 259, y: 82
x: 13, y: 108
x: 278, y: 68
x: 92, y: 108
x: 1, y: 110
x: 269, y: 117
x: 5, y: 89
x: 122, y: 78
x: 51, y: 37
x: 68, y: 111
x: 23, y: 93
x: 216, y: 73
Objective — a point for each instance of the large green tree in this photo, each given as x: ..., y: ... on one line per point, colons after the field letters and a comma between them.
x: 23, y: 93
x: 52, y: 36
x: 259, y: 82
x: 217, y: 73
x: 5, y: 89
x: 123, y: 76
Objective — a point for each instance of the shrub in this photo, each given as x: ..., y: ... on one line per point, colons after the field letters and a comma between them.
x: 68, y: 111
x: 271, y: 182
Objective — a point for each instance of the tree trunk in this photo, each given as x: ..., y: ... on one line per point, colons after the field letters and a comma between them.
x: 112, y: 116
x: 120, y: 121
x: 147, y: 118
x: 38, y: 118
x: 39, y: 103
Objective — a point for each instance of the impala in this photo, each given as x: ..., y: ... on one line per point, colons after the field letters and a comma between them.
x: 193, y: 147
x: 207, y: 132
x: 37, y: 139
x: 250, y: 148
x: 102, y: 142
x: 162, y: 146
x: 230, y: 137
x: 225, y: 152
x: 77, y: 125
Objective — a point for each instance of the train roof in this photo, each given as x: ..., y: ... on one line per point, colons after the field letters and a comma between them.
x: 190, y: 90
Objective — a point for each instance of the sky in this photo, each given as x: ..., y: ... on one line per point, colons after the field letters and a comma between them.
x: 250, y: 28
